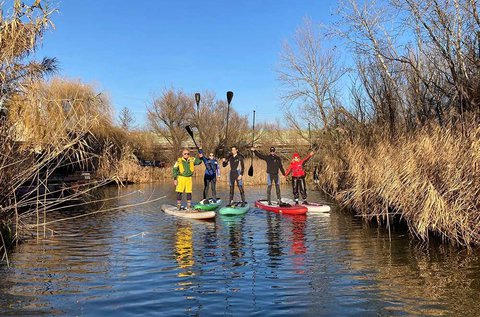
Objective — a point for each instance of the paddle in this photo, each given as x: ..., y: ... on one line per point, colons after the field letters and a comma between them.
x: 189, y: 130
x: 250, y: 170
x: 229, y: 100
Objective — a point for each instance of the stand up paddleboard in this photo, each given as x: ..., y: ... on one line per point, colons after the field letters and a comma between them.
x: 208, y: 204
x: 283, y: 209
x: 234, y: 209
x: 192, y: 214
x: 312, y: 207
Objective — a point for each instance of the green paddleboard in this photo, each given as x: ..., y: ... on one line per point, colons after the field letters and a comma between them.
x: 208, y: 204
x: 235, y: 209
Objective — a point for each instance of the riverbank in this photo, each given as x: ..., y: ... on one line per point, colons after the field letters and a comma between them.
x: 431, y: 179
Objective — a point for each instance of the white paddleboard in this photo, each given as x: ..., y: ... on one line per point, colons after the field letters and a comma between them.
x: 312, y: 207
x: 192, y: 214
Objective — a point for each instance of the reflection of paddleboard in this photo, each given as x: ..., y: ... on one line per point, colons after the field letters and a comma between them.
x: 312, y: 207
x: 232, y: 220
x: 287, y: 209
x: 234, y: 209
x: 208, y: 204
x: 193, y: 214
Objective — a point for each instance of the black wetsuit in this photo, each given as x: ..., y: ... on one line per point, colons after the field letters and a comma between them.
x: 237, y: 166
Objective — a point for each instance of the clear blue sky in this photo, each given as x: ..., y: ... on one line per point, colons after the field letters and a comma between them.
x: 133, y: 49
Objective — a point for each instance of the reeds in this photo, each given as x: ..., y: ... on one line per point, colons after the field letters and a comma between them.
x: 430, y: 178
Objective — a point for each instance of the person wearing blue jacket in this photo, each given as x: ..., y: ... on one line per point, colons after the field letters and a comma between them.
x: 212, y: 171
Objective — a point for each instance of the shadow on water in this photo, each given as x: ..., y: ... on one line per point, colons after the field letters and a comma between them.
x: 142, y: 261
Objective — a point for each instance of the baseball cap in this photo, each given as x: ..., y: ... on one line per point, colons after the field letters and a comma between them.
x: 272, y: 149
x: 296, y: 155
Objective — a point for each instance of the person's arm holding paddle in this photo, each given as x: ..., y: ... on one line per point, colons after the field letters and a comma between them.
x: 258, y: 154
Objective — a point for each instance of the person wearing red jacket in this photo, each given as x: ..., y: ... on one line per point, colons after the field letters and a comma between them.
x: 298, y: 176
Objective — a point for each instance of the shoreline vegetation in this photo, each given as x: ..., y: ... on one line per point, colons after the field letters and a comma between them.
x: 403, y: 143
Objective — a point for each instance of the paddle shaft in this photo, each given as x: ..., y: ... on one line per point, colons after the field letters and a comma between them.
x: 253, y: 136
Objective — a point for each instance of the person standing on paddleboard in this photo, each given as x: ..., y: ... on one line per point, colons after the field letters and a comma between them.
x: 237, y: 166
x: 298, y: 176
x: 212, y: 171
x: 182, y: 174
x: 274, y: 164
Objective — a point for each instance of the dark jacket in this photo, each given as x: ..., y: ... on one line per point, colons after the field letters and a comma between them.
x: 212, y: 168
x: 274, y: 163
x: 236, y: 164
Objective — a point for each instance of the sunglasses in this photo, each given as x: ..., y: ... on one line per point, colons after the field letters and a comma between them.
x: 186, y: 153
x: 211, y: 155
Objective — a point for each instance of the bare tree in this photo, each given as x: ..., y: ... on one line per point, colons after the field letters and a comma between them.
x: 126, y: 119
x: 210, y: 121
x: 168, y: 115
x: 309, y: 72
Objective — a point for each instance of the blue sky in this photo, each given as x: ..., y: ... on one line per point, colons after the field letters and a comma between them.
x: 132, y: 50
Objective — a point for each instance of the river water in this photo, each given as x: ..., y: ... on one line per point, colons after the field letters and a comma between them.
x: 140, y: 261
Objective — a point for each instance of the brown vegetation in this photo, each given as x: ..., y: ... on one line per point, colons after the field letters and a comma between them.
x: 409, y: 144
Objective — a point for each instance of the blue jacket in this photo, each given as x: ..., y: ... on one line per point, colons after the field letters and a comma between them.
x: 212, y: 166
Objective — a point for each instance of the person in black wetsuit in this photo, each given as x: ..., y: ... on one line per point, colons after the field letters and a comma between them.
x: 274, y: 164
x: 237, y: 166
x: 212, y: 171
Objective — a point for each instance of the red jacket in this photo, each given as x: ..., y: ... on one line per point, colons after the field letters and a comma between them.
x: 297, y: 167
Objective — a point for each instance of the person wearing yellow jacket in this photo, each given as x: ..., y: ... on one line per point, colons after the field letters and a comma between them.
x: 183, y: 170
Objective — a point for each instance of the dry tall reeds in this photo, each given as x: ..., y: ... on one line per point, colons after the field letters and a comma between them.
x: 431, y: 179
x: 407, y: 144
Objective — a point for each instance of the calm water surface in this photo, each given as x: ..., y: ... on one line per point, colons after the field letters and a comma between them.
x: 139, y: 261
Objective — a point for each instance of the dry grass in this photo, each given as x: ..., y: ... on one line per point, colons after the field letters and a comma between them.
x: 431, y: 179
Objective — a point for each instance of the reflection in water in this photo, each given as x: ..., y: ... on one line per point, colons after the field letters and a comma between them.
x: 274, y: 234
x: 298, y: 243
x: 260, y: 264
x: 184, y: 249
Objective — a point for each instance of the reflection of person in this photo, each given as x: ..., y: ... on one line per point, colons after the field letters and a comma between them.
x: 212, y: 170
x: 298, y: 176
x: 274, y: 164
x: 237, y: 166
x: 184, y: 249
x: 298, y: 243
x: 182, y: 174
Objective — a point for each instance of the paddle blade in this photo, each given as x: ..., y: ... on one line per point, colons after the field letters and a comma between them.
x: 229, y: 96
x: 250, y: 171
x: 197, y: 98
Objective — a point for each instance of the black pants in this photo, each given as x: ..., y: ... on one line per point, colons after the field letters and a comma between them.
x: 210, y: 181
x: 233, y: 179
x: 298, y: 183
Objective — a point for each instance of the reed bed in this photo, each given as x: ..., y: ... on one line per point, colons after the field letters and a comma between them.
x: 431, y: 179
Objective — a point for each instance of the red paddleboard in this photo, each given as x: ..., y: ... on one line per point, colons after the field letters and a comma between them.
x: 288, y: 210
